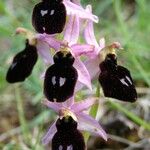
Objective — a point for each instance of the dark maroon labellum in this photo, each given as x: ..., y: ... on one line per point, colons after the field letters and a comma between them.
x: 49, y: 16
x: 60, y: 78
x: 116, y: 80
x: 22, y: 64
x: 67, y: 136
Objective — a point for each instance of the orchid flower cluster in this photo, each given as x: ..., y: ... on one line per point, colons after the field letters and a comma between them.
x: 59, y: 24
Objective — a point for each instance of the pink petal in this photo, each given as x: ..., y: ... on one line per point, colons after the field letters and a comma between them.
x: 79, y: 11
x: 82, y: 49
x: 69, y: 102
x: 83, y: 105
x: 89, y: 32
x: 44, y: 50
x: 92, y: 66
x: 89, y: 35
x: 87, y: 123
x: 71, y: 34
x: 83, y: 74
x: 52, y: 105
x: 51, y: 41
x: 50, y: 133
x: 79, y: 86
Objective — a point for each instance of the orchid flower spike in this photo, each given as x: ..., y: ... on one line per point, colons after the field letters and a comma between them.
x: 76, y: 111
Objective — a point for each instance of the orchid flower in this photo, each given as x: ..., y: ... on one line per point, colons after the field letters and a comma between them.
x: 50, y: 16
x: 71, y: 35
x: 76, y: 111
x: 24, y: 61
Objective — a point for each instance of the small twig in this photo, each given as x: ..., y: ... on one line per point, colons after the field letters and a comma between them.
x: 21, y: 114
x: 120, y: 139
x: 139, y: 144
x: 10, y: 133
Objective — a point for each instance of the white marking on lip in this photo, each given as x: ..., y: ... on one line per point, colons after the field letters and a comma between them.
x: 53, y: 80
x: 70, y: 147
x: 62, y: 81
x: 52, y: 12
x: 60, y: 147
x: 44, y: 12
x: 129, y: 80
x: 44, y: 28
x: 123, y: 82
x: 13, y: 65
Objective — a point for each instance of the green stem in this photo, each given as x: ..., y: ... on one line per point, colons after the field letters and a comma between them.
x: 94, y: 108
x: 22, y: 120
x: 38, y: 138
